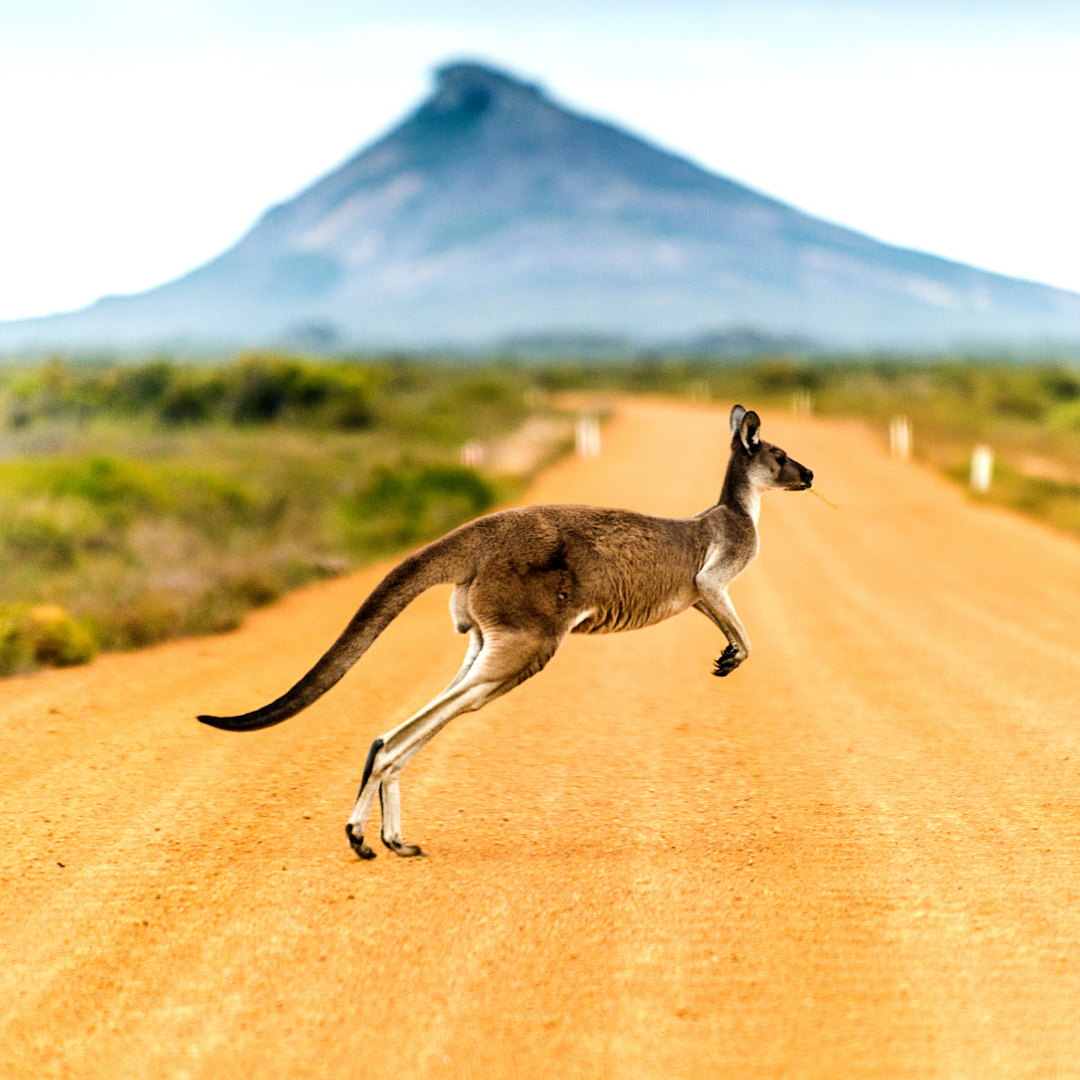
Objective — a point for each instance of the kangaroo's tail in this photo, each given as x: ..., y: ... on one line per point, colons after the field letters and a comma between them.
x: 443, y: 561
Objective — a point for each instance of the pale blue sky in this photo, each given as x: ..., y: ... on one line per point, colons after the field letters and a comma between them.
x: 141, y: 138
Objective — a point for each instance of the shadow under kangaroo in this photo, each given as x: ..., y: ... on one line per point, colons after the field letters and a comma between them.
x: 524, y: 579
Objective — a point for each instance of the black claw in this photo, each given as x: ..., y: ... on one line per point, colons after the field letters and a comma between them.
x: 726, y: 663
x: 356, y: 842
x: 406, y: 851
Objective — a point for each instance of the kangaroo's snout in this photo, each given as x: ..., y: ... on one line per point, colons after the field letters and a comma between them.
x: 794, y: 476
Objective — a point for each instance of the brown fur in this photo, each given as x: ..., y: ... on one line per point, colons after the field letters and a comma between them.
x: 525, y: 578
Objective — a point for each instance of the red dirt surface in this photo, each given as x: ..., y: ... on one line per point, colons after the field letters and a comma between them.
x: 858, y: 856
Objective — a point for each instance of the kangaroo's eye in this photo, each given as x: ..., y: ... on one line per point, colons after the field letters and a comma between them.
x: 781, y: 460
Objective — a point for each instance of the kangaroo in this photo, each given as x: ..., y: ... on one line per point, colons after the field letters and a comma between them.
x: 524, y: 579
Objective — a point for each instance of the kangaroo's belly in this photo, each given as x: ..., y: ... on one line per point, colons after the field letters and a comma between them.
x: 612, y: 617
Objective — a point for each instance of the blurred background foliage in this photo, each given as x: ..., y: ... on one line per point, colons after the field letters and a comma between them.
x: 143, y: 501
x: 1028, y: 413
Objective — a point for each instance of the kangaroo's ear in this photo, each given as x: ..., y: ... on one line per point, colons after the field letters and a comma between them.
x: 736, y: 418
x: 748, y: 431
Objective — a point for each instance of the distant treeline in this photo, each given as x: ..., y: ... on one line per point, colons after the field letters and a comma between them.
x: 255, y: 389
x: 444, y: 402
x: 975, y: 389
x: 351, y: 395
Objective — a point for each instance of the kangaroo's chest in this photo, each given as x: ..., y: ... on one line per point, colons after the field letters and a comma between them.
x: 724, y: 562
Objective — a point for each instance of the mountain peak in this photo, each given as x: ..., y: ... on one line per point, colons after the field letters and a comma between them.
x: 465, y: 91
x: 492, y: 211
x: 461, y: 78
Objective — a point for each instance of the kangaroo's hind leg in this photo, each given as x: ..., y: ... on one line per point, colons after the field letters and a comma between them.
x: 389, y: 793
x: 504, y: 660
x: 476, y: 642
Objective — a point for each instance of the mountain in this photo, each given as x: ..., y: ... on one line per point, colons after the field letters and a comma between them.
x: 492, y: 212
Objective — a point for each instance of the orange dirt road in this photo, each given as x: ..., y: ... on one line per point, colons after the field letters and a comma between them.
x: 858, y: 856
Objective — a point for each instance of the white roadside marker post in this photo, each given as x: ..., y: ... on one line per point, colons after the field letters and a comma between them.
x: 587, y: 436
x: 982, y: 469
x: 472, y: 455
x: 900, y: 441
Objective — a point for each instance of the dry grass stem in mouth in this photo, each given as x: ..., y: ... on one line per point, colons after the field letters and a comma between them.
x: 814, y: 491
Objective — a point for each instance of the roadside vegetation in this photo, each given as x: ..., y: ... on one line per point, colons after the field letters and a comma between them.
x: 144, y: 502
x: 141, y: 502
x: 1028, y: 414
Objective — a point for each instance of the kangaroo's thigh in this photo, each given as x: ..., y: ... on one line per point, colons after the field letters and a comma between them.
x: 510, y: 656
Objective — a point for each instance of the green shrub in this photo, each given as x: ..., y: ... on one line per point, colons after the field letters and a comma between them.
x: 39, y: 636
x: 254, y: 590
x: 261, y: 389
x: 1061, y: 385
x: 135, y: 389
x: 781, y: 376
x: 136, y: 623
x: 59, y: 641
x: 16, y: 647
x: 350, y: 409
x: 400, y: 507
x: 191, y: 400
x: 38, y: 538
x: 207, y: 501
x: 121, y: 490
x: 109, y: 483
x: 1023, y: 403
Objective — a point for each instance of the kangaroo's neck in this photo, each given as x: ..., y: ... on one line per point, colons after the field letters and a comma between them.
x: 738, y: 493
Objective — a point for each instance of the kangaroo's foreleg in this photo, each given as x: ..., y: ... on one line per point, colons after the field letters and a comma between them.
x: 502, y: 662
x: 716, y: 604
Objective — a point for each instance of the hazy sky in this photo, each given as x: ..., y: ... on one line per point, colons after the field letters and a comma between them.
x: 138, y: 138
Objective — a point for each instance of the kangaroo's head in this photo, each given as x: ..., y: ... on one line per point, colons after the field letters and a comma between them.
x: 756, y: 465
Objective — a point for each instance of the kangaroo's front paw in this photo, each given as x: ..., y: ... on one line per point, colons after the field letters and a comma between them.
x: 356, y: 842
x: 728, y: 661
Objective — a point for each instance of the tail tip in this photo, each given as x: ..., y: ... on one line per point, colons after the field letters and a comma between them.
x: 248, y: 722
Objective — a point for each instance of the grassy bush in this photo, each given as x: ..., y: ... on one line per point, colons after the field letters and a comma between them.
x: 161, y: 499
x: 42, y: 635
x: 404, y: 506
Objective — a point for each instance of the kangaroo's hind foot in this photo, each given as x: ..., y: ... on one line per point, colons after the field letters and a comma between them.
x: 399, y: 847
x: 390, y: 833
x: 356, y: 842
